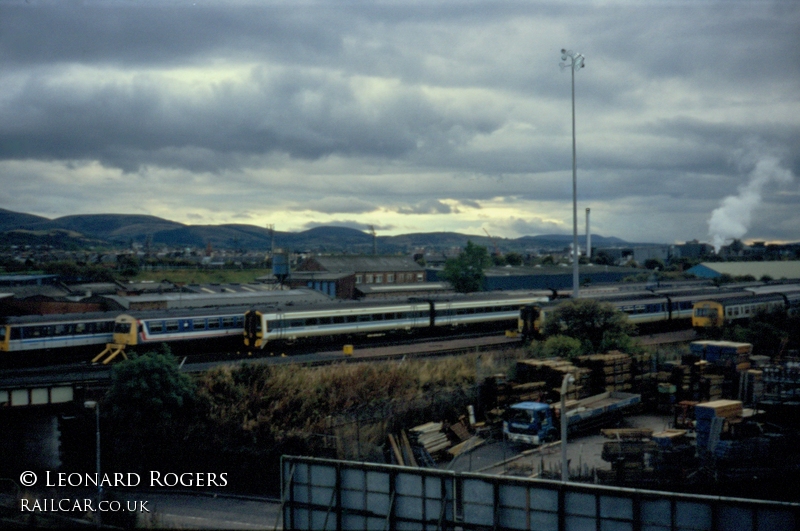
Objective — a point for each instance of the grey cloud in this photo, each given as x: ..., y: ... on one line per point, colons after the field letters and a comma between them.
x: 337, y: 205
x: 429, y: 206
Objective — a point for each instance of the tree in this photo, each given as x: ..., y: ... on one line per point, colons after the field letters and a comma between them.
x: 562, y: 347
x: 466, y: 272
x: 514, y: 259
x: 598, y: 326
x: 603, y: 258
x: 654, y: 263
x: 151, y: 405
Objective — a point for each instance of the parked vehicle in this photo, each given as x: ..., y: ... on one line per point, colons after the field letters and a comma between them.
x: 535, y: 423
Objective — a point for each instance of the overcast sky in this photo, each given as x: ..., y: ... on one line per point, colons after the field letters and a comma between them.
x: 412, y: 116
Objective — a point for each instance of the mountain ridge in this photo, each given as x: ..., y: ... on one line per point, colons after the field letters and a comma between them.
x: 125, y: 229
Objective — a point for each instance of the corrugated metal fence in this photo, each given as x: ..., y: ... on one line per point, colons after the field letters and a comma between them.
x: 335, y: 495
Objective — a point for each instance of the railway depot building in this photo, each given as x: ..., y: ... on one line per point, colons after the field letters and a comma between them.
x: 343, y: 277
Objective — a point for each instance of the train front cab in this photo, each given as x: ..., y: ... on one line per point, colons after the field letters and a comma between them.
x: 530, y: 321
x: 5, y: 334
x: 253, y: 329
x: 707, y: 314
x: 126, y: 334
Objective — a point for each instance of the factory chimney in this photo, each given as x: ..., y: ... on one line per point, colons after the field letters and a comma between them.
x: 588, y: 236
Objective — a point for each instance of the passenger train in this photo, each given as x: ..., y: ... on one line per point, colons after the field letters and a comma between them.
x: 719, y: 312
x: 57, y: 336
x: 63, y: 331
x: 369, y: 318
x: 647, y: 310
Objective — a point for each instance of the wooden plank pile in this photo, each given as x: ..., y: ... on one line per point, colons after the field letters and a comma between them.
x: 552, y: 372
x: 628, y: 451
x: 608, y: 372
x: 706, y: 413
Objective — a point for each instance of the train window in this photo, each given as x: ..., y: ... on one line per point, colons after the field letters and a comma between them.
x: 213, y: 324
x: 122, y: 328
x: 60, y: 330
x: 16, y: 333
x: 351, y: 318
x: 311, y: 321
x: 155, y: 327
x: 171, y: 326
x: 238, y: 322
x: 364, y: 318
x: 274, y: 325
x: 198, y: 324
x: 324, y: 320
x: 80, y: 328
x: 297, y: 323
x: 228, y: 322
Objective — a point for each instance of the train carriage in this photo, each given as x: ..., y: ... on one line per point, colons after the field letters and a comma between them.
x: 366, y: 318
x: 483, y: 309
x: 718, y: 312
x: 55, y: 332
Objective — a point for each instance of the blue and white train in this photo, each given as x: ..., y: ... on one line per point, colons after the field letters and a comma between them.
x: 347, y: 319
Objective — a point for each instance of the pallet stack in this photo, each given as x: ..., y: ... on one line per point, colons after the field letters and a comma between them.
x: 628, y: 451
x: 609, y: 372
x: 552, y: 373
x: 644, y: 375
x: 705, y: 415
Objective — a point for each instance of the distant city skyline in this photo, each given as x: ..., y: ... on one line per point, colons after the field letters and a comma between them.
x: 408, y: 116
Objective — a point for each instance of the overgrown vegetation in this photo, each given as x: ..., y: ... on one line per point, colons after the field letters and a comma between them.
x: 240, y: 419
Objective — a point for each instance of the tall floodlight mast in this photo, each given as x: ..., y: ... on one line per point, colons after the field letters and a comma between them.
x: 573, y: 61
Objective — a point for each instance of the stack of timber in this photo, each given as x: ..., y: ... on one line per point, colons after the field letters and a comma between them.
x: 628, y: 451
x: 643, y: 372
x: 714, y: 418
x: 608, y: 372
x: 552, y: 372
x: 419, y: 445
x: 498, y: 393
x: 674, y: 458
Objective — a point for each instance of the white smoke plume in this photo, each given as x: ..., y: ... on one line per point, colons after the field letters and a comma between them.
x: 732, y: 218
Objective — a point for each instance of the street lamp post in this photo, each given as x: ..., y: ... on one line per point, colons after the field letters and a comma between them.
x: 573, y: 61
x: 91, y: 404
x: 565, y: 383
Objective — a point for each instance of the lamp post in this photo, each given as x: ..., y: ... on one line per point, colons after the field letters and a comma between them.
x: 91, y: 404
x: 573, y: 61
x: 568, y: 379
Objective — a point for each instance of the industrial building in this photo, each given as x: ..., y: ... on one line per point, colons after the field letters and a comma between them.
x: 757, y: 270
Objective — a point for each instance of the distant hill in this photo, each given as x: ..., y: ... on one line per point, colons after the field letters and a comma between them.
x: 122, y: 229
x: 14, y: 220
